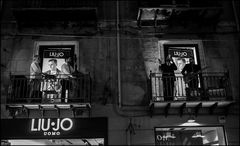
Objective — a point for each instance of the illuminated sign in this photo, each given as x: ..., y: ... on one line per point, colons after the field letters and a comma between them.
x: 56, y: 54
x: 51, y: 127
x: 165, y: 136
x: 180, y: 54
x: 178, y: 136
x: 37, y: 128
x: 184, y: 53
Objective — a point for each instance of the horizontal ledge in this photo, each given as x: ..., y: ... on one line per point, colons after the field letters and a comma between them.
x: 189, y: 104
x: 49, y: 106
x: 180, y: 8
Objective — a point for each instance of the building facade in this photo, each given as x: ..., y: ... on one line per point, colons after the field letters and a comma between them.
x: 116, y: 47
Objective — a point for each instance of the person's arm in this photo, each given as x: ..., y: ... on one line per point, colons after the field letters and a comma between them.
x: 34, y: 68
x: 65, y: 71
x: 173, y: 65
x: 184, y: 70
x: 160, y: 64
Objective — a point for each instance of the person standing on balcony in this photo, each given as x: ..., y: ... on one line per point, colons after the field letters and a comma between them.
x: 67, y: 71
x: 190, y: 74
x: 168, y: 77
x: 35, y: 78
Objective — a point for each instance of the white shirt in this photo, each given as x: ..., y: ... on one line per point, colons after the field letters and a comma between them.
x: 67, y: 70
x: 35, y: 71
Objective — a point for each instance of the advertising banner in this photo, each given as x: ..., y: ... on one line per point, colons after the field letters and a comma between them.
x: 59, y: 55
x: 58, y: 52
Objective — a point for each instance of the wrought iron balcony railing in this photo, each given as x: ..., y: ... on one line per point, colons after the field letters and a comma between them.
x: 205, y: 87
x: 49, y: 89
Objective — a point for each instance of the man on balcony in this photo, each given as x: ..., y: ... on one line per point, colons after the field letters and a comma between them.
x: 35, y: 78
x: 190, y: 75
x: 168, y: 77
x: 67, y: 71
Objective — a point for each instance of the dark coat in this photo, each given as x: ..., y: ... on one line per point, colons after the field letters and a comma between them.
x: 190, y: 68
x: 168, y: 71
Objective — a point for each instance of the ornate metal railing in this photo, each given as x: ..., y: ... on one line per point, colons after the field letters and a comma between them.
x: 49, y: 89
x: 205, y: 87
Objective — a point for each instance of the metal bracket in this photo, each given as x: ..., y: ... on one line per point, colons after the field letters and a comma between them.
x: 211, y: 109
x: 166, y: 109
x: 197, y: 109
x: 182, y: 108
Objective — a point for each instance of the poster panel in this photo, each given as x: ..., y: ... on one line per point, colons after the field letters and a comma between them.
x: 58, y: 54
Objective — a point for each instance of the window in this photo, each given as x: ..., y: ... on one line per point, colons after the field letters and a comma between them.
x: 195, y: 135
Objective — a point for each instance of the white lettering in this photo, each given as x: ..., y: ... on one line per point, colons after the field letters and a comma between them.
x: 51, y: 133
x: 32, y: 126
x: 39, y: 124
x: 48, y: 125
x: 55, y: 54
x: 70, y: 124
x: 180, y: 54
x: 159, y: 137
x: 57, y: 125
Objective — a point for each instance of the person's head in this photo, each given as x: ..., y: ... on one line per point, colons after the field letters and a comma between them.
x: 191, y: 61
x: 68, y: 60
x: 168, y: 61
x: 52, y: 64
x: 36, y: 58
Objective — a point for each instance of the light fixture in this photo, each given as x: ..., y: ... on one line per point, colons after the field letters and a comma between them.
x: 190, y: 122
x: 191, y: 119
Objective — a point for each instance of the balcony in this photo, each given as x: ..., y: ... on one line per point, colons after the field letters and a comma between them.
x: 211, y: 91
x: 46, y: 93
